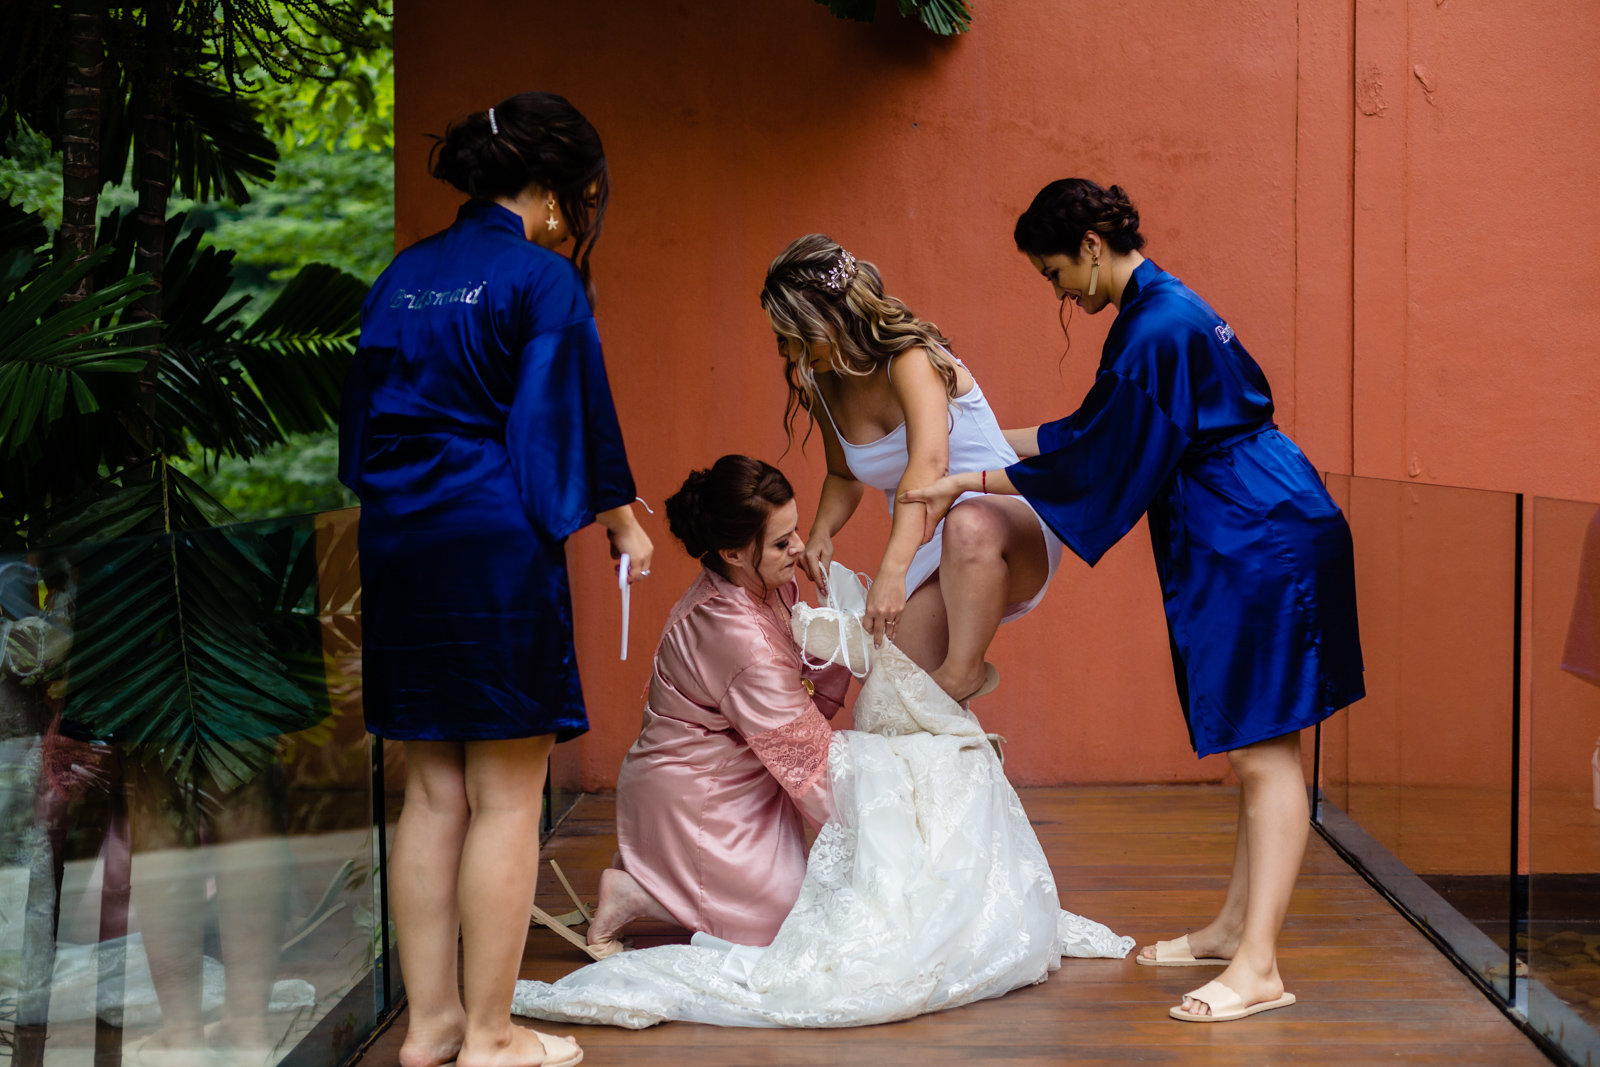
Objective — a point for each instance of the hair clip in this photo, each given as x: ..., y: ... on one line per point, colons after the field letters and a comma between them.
x: 843, y: 272
x: 494, y: 127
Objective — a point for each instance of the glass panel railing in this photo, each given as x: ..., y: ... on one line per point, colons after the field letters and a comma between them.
x: 1563, y: 793
x: 188, y: 862
x: 1417, y: 777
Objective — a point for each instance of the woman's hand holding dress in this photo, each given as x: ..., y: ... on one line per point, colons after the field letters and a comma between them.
x: 886, y: 602
x: 818, y: 558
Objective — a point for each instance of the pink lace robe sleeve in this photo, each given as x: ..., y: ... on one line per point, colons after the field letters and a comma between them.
x: 767, y: 704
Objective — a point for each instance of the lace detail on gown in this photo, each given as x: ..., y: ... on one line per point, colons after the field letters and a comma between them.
x: 926, y: 890
x: 797, y: 752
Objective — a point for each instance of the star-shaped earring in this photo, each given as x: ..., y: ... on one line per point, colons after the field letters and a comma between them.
x: 552, y: 222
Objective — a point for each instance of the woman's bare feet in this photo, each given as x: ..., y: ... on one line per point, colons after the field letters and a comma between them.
x: 173, y: 1046
x: 432, y: 1046
x: 1254, y: 984
x: 518, y: 1046
x: 622, y: 900
x: 1208, y: 943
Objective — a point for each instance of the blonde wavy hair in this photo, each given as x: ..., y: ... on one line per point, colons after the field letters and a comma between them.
x: 817, y: 293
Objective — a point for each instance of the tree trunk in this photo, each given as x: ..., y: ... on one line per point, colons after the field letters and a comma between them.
x: 153, y: 149
x: 80, y: 187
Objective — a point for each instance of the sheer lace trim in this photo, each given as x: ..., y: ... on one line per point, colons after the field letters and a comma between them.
x: 797, y: 752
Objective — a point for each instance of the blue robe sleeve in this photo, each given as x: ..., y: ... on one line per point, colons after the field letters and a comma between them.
x: 562, y: 435
x: 1108, y: 462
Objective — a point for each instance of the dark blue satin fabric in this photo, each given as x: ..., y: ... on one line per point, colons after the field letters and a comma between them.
x: 479, y: 432
x: 1255, y: 560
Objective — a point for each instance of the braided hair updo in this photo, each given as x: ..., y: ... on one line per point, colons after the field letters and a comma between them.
x: 535, y: 137
x: 1067, y: 209
x: 726, y: 507
x: 817, y: 293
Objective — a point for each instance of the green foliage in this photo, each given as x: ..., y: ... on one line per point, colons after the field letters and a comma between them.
x: 326, y: 207
x: 349, y: 103
x: 188, y: 646
x: 44, y: 357
x: 298, y: 477
x: 944, y: 17
x: 218, y: 142
x: 226, y: 387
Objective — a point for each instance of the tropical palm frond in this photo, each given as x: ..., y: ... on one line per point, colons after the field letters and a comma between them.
x: 855, y: 10
x: 180, y: 648
x: 298, y: 351
x: 160, y: 498
x: 44, y: 356
x: 944, y: 17
x: 219, y: 145
x: 21, y: 229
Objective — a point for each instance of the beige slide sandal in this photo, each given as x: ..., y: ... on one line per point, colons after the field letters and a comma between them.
x: 1178, y: 954
x: 1225, y: 1004
x: 559, y: 1051
x: 991, y: 682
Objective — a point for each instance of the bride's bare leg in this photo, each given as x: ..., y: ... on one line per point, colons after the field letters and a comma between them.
x: 993, y: 555
x: 622, y: 900
x: 924, y: 631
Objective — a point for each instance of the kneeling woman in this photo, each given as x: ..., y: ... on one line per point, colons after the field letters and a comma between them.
x: 734, y: 748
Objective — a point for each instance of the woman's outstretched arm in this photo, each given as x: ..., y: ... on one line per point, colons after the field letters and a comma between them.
x: 1024, y: 442
x: 926, y: 403
x: 940, y: 496
x: 841, y: 493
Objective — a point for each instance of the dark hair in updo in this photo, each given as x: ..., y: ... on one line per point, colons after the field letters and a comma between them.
x: 542, y: 139
x: 726, y: 507
x: 1065, y: 210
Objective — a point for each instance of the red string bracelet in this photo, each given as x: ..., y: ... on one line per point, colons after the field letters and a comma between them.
x: 985, y: 483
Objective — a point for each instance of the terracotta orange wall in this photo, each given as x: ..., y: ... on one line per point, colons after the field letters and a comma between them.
x: 1393, y: 201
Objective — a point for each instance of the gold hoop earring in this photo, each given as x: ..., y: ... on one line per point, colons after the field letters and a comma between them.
x: 552, y: 222
x: 1094, y: 274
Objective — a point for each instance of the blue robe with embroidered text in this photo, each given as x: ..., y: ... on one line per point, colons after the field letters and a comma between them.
x: 1255, y: 560
x: 479, y: 432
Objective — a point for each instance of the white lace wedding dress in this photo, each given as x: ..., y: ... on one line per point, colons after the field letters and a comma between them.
x: 926, y: 890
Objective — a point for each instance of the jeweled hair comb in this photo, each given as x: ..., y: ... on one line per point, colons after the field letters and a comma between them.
x: 842, y: 274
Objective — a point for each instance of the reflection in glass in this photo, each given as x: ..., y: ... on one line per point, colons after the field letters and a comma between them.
x: 1563, y: 939
x: 187, y: 867
x: 1422, y: 768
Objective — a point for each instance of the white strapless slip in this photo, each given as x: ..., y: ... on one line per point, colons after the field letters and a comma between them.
x: 976, y: 444
x: 925, y: 890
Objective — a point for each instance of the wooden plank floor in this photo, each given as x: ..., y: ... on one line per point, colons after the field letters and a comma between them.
x: 1150, y: 861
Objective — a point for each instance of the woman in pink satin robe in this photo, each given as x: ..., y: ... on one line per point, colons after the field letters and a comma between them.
x: 734, y: 748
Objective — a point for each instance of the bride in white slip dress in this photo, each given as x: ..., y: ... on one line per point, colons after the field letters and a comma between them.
x: 925, y: 890
x: 883, y: 376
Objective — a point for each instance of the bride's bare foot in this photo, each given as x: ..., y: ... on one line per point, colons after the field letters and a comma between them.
x: 518, y: 1046
x: 432, y: 1046
x: 622, y: 900
x: 960, y: 685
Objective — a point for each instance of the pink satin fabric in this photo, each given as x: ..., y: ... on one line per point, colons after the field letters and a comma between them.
x: 732, y: 752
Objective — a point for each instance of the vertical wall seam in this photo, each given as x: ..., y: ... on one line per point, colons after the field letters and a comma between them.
x: 1405, y: 254
x: 1355, y: 6
x: 1294, y: 200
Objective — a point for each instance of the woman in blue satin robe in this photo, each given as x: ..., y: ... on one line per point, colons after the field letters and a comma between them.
x: 479, y: 432
x: 1255, y: 559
